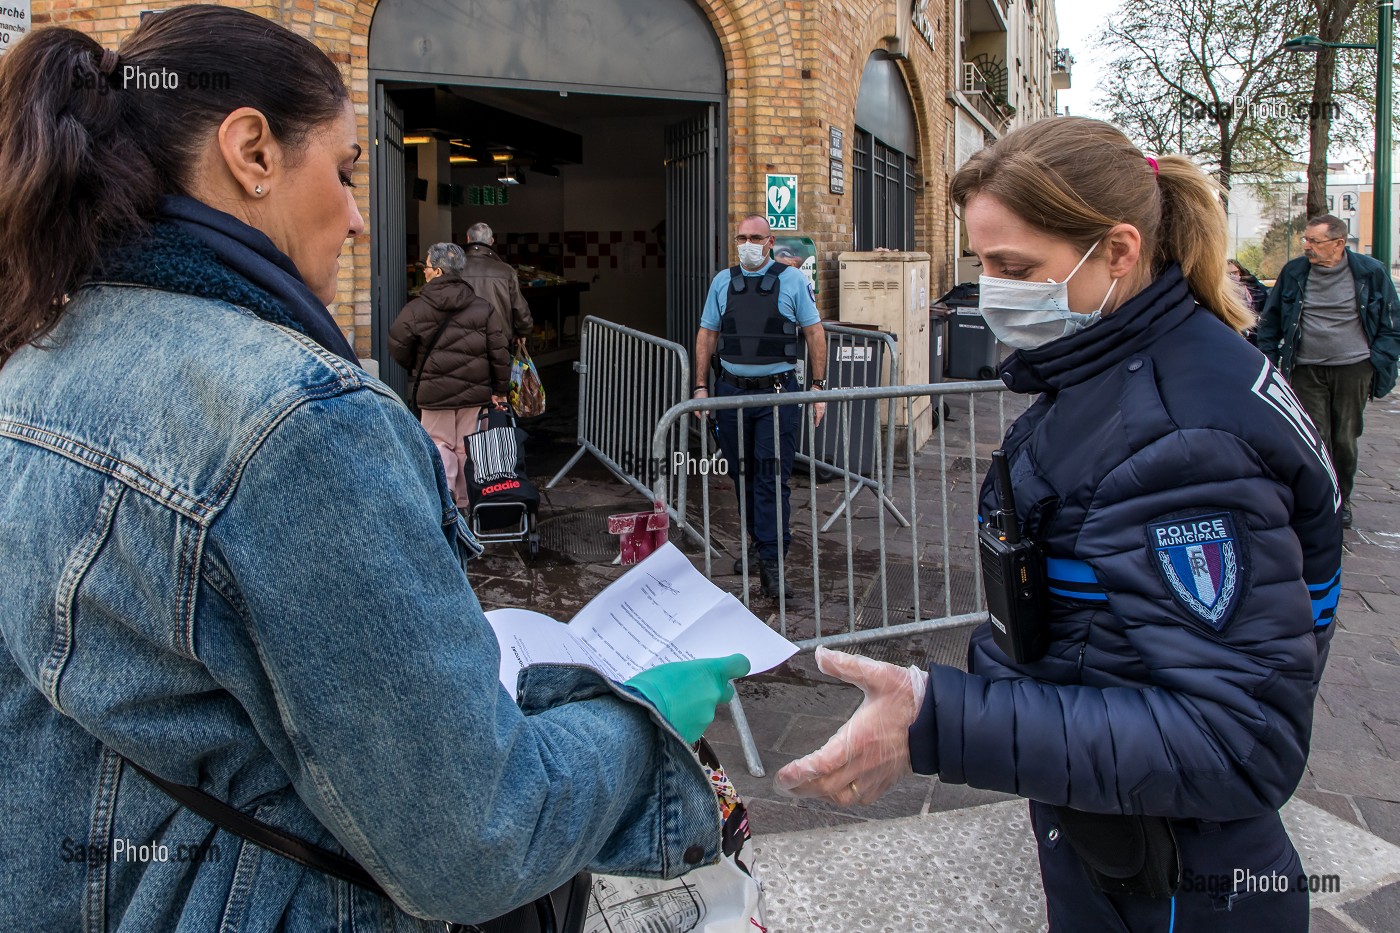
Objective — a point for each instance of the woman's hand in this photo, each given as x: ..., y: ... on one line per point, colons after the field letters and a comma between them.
x: 687, y: 692
x: 870, y: 753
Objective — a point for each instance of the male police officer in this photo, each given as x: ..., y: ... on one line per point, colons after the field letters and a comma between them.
x: 752, y: 315
x: 1331, y: 325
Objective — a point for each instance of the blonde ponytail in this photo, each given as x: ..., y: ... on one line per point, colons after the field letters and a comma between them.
x: 1193, y: 232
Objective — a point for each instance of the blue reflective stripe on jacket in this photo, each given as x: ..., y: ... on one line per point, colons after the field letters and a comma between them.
x: 1073, y: 579
x: 1157, y: 414
x: 1324, y: 599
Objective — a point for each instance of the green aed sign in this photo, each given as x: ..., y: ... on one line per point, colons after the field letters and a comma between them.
x: 782, y: 202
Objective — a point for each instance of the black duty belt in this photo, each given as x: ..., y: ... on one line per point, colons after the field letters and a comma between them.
x: 774, y: 381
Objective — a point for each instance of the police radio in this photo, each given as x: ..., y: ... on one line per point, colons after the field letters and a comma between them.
x: 1013, y: 575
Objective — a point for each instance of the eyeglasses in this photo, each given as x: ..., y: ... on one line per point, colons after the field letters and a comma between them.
x: 1309, y: 241
x: 752, y: 238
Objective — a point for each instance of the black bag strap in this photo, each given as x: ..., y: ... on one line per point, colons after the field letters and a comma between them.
x: 427, y: 352
x: 261, y: 834
x: 309, y: 854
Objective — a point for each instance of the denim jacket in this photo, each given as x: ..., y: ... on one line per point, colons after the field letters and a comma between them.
x: 232, y: 558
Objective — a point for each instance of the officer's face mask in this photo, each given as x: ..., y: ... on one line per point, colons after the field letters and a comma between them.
x: 1026, y: 315
x: 751, y: 255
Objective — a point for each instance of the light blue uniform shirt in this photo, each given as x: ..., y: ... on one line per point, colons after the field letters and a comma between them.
x: 795, y: 303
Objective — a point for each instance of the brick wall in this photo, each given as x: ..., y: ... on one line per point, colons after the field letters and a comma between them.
x: 793, y: 70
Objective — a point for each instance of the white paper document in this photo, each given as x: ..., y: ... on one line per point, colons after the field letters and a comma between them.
x: 661, y: 610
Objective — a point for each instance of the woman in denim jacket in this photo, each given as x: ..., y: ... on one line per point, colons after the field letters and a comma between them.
x: 230, y: 556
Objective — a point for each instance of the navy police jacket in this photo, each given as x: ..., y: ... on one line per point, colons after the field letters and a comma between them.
x: 1189, y: 514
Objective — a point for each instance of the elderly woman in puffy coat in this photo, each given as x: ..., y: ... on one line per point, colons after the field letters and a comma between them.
x: 1188, y: 518
x: 454, y: 347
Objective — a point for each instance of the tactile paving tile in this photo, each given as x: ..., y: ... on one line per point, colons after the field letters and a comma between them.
x: 968, y: 869
x: 975, y: 869
x: 1331, y: 846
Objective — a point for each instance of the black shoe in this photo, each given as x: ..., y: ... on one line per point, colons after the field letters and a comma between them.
x: 753, y: 560
x: 1346, y: 518
x: 768, y: 580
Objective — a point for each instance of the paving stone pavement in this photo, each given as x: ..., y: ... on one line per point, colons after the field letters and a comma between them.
x: 975, y: 869
x: 1353, y: 773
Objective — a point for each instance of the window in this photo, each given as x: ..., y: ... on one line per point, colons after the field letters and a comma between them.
x: 1347, y: 203
x: 1331, y: 200
x: 885, y: 185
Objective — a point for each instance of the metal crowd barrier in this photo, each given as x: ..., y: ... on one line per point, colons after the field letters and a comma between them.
x: 853, y: 353
x: 926, y: 516
x: 627, y: 380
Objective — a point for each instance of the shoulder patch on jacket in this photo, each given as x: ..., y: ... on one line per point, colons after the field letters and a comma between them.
x: 1201, y: 558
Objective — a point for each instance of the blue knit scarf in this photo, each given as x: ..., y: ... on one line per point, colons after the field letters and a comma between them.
x: 196, y: 250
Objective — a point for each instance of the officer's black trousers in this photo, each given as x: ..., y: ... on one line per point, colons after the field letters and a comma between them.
x: 765, y: 462
x: 1230, y: 873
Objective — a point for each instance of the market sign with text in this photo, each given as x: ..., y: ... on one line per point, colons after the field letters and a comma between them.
x: 14, y: 23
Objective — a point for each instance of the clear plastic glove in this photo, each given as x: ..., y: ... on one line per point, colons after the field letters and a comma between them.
x: 687, y: 692
x: 870, y: 753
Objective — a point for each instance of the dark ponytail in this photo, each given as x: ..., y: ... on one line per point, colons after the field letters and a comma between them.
x: 68, y: 179
x: 90, y: 139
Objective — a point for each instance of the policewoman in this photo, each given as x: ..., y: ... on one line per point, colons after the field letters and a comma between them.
x: 752, y: 316
x: 1188, y: 517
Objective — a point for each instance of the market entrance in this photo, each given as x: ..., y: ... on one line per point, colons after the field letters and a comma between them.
x: 583, y: 133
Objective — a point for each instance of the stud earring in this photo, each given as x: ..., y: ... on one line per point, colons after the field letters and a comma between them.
x: 258, y: 190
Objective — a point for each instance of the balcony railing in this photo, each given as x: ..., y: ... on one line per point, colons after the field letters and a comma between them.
x: 974, y: 87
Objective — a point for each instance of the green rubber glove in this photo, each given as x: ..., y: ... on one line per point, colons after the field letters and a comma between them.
x: 687, y: 692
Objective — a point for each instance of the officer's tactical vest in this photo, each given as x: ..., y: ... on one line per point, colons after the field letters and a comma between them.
x: 752, y: 329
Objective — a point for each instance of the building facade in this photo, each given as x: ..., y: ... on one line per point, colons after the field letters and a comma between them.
x: 642, y: 130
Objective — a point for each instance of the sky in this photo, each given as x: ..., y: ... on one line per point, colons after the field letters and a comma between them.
x: 1079, y: 20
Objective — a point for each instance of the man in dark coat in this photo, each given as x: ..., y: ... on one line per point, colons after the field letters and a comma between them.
x: 455, y: 349
x: 1332, y: 326
x: 494, y: 279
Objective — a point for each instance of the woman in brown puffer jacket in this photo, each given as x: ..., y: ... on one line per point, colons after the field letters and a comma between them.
x: 467, y: 367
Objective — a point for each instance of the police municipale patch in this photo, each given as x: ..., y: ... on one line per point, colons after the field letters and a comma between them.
x: 1199, y: 558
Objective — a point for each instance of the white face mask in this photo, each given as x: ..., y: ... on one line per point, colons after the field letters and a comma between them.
x: 1026, y: 315
x: 751, y: 255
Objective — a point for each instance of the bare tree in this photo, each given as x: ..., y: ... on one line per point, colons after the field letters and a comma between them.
x: 1216, y: 73
x: 1343, y: 103
x: 1332, y: 16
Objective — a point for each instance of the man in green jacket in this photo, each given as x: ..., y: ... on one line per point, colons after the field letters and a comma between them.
x: 1332, y: 326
